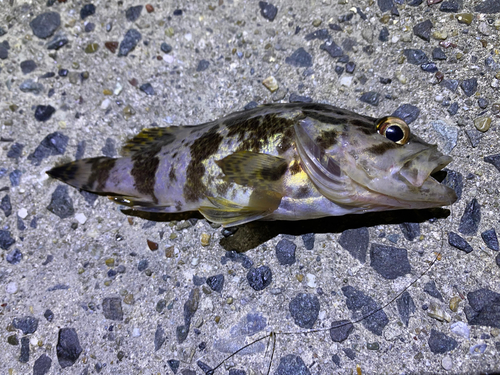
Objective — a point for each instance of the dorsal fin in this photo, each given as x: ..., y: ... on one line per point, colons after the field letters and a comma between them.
x: 151, y: 138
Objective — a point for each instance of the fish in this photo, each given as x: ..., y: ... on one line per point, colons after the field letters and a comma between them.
x: 295, y: 161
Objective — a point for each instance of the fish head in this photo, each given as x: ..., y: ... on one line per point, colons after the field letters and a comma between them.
x: 375, y: 164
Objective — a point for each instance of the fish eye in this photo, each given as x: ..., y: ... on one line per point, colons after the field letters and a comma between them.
x: 394, y: 129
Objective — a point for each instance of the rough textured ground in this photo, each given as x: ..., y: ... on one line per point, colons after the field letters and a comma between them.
x: 81, y: 288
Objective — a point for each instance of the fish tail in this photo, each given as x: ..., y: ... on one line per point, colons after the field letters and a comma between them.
x: 88, y: 174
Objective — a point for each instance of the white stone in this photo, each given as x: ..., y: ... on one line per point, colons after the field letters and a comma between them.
x: 11, y: 288
x: 81, y: 218
x: 105, y: 104
x: 168, y: 59
x: 136, y: 332
x: 311, y: 280
x: 346, y: 81
x: 461, y: 329
x: 118, y: 88
x: 195, y: 261
x: 446, y: 363
x: 33, y: 341
x: 188, y: 37
x: 22, y: 213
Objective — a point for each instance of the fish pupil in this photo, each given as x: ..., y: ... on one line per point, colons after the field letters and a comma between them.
x: 394, y: 133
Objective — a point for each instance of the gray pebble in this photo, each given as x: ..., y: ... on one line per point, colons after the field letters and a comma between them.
x: 407, y: 112
x: 438, y: 54
x: 216, y: 282
x: 450, y: 84
x: 268, y: 10
x: 174, y: 365
x: 27, y: 66
x: 147, y: 88
x: 6, y: 240
x: 336, y: 359
x: 490, y: 239
x: 385, y: 5
x: 321, y: 34
x: 202, y: 65
x: 363, y: 306
x: 165, y: 47
x: 431, y: 289
x: 439, y: 343
x: 390, y: 262
x: 493, y: 160
x: 133, y: 13
x: 451, y: 6
x: 14, y: 257
x: 6, y: 206
x: 423, y: 30
x: 453, y: 108
x: 292, y: 365
x: 469, y: 223
x: 355, y: 241
x: 31, y: 86
x: 332, y: 48
x: 349, y: 67
x: 27, y: 324
x: 260, y: 278
x: 159, y: 337
x: 406, y: 307
x: 295, y: 98
x: 53, y: 144
x: 304, y: 309
x: 429, y: 67
x: 351, y: 354
x: 112, y: 308
x: 458, y: 242
x: 87, y: 11
x: 488, y: 7
x: 15, y: 151
x: 415, y: 56
x: 68, y: 347
x: 57, y: 41
x: 49, y: 315
x: 484, y: 308
x: 61, y: 203
x: 285, y: 252
x: 308, y: 240
x: 410, y: 230
x: 234, y: 371
x: 482, y: 103
x: 15, y: 177
x: 4, y: 50
x: 384, y: 34
x: 474, y: 136
x: 371, y: 97
x: 129, y: 42
x: 24, y: 357
x: 2, y: 31
x: 45, y: 24
x: 300, y: 59
x: 340, y: 330
x: 469, y: 86
x: 191, y: 306
x: 142, y: 265
x: 42, y: 365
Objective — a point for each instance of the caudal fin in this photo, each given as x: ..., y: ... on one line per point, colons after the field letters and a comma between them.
x: 87, y: 174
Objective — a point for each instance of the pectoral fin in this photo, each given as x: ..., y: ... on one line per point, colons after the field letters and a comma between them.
x: 228, y: 213
x: 252, y: 169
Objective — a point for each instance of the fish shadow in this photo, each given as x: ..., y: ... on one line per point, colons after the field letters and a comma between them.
x: 251, y: 235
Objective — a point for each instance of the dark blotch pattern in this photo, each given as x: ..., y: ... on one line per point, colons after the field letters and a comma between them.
x: 381, y: 148
x: 99, y: 174
x: 327, y: 139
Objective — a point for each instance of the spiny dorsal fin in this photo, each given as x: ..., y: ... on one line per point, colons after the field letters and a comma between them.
x: 256, y: 170
x: 151, y: 138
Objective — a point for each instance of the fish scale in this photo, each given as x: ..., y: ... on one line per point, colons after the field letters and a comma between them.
x: 274, y: 162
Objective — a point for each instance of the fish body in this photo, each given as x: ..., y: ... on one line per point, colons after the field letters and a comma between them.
x: 274, y: 162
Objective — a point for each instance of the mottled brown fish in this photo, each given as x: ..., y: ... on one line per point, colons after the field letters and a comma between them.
x: 274, y: 162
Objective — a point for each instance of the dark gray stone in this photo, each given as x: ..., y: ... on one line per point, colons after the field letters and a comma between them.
x: 109, y: 148
x: 89, y: 27
x: 383, y: 36
x: 431, y: 289
x: 415, y: 56
x: 204, y: 367
x: 24, y: 357
x: 14, y: 257
x: 469, y: 86
x: 4, y: 50
x: 488, y: 7
x: 493, y: 160
x: 364, y: 307
x: 285, y: 252
x: 87, y: 11
x: 308, y: 240
x: 349, y: 67
x: 458, y: 242
x: 147, y: 88
x: 234, y: 371
x: 68, y: 347
x: 15, y: 151
x: 159, y: 337
x: 484, y: 308
x: 439, y: 343
x: 216, y: 283
x: 332, y: 48
x: 260, y: 278
x: 321, y: 34
x: 112, y: 308
x: 304, y: 309
x: 474, y: 136
x: 6, y: 240
x: 268, y: 10
x: 469, y: 223
x: 423, y: 30
x: 57, y: 41
x: 142, y: 265
x: 300, y: 59
x: 390, y: 262
x: 234, y: 256
x: 296, y: 98
x: 450, y: 84
x: 27, y: 324
x: 490, y: 239
x: 191, y: 305
x: 49, y: 315
x: 129, y: 42
x: 6, y: 206
x: 45, y: 24
x: 429, y: 67
x: 292, y: 365
x: 249, y: 325
x: 198, y: 280
x: 15, y: 177
x: 406, y: 307
x: 174, y: 365
x: 132, y: 14
x: 355, y: 241
x: 415, y: 3
x: 202, y: 65
x: 336, y: 359
x: 438, y: 54
x: 80, y: 149
x: 340, y: 330
x: 351, y: 354
x: 30, y: 86
x: 42, y: 365
x: 371, y: 97
x: 454, y: 180
x: 165, y: 47
x: 385, y: 5
x: 181, y: 333
x: 482, y: 103
x: 407, y: 112
x: 44, y: 112
x: 28, y: 66
x: 61, y: 203
x: 410, y: 230
x: 452, y: 6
